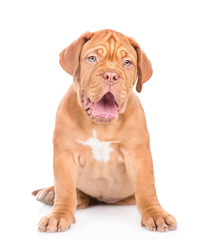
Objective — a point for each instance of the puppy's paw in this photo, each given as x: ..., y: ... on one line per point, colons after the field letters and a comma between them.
x: 55, y: 223
x: 159, y: 220
x: 45, y: 195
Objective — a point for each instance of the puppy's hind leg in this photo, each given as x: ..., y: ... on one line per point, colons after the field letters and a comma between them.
x: 126, y: 201
x: 84, y: 200
x: 47, y: 195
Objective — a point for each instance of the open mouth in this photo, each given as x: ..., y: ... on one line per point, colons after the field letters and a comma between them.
x: 105, y: 108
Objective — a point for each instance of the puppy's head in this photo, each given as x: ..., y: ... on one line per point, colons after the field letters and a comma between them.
x: 105, y: 66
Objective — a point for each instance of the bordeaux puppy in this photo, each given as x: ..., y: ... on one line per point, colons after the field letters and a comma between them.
x: 101, y: 141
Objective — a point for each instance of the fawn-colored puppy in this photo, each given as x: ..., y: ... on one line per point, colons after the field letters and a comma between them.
x: 101, y: 141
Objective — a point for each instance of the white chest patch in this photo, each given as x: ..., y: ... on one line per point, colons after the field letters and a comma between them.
x: 101, y: 149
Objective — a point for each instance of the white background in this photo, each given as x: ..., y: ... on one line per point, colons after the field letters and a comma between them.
x: 176, y: 37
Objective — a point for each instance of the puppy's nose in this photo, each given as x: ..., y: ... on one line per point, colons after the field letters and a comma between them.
x: 110, y: 78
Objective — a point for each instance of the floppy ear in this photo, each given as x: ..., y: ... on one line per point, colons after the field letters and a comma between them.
x: 144, y: 66
x: 70, y: 56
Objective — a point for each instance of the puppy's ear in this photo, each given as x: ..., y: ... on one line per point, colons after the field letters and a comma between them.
x: 144, y: 66
x: 70, y: 56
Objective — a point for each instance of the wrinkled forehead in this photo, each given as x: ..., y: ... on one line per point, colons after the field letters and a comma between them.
x: 109, y: 44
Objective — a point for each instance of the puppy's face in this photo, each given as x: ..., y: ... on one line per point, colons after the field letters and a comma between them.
x: 105, y: 74
x: 108, y: 71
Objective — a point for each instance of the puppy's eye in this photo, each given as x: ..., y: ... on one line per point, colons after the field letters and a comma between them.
x: 127, y: 62
x: 92, y: 59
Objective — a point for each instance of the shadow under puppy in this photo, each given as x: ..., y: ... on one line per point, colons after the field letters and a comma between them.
x: 101, y: 142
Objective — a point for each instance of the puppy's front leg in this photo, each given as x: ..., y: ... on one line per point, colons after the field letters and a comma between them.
x: 140, y: 170
x: 65, y: 176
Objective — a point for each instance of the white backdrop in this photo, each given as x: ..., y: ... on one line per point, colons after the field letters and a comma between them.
x: 176, y: 37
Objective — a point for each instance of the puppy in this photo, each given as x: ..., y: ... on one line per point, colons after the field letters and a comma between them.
x: 101, y: 141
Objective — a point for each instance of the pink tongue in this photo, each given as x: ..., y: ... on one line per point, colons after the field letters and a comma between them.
x: 105, y: 107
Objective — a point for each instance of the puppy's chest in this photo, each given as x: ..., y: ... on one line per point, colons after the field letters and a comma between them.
x: 96, y: 150
x: 102, y: 172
